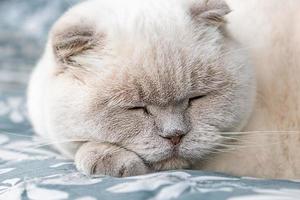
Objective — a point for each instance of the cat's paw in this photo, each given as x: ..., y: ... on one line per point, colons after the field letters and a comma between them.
x: 106, y: 159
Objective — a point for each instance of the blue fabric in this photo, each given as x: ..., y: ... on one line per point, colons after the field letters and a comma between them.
x: 24, y: 29
x: 30, y: 169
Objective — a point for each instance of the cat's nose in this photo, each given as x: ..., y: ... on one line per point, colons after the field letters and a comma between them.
x: 175, y: 140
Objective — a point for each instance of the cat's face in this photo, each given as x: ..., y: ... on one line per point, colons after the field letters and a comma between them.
x: 164, y: 84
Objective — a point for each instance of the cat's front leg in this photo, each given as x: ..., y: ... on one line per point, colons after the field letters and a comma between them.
x: 107, y: 159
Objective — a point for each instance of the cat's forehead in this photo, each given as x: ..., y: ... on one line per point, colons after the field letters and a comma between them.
x: 159, y: 82
x: 161, y: 72
x: 146, y: 91
x: 158, y: 56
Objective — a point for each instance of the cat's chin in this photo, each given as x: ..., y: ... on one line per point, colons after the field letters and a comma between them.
x: 174, y: 160
x: 171, y: 163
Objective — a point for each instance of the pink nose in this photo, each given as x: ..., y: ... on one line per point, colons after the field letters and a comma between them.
x: 175, y: 140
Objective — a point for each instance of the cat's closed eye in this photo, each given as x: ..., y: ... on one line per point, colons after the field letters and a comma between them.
x: 142, y: 108
x: 196, y: 98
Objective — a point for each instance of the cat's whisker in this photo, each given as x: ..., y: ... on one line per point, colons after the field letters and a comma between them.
x: 61, y: 142
x: 217, y: 151
x: 231, y: 138
x: 242, y: 146
x: 54, y: 142
x: 16, y: 134
x: 24, y: 131
x: 260, y: 132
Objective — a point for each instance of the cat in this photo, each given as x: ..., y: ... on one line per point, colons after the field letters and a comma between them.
x: 131, y: 87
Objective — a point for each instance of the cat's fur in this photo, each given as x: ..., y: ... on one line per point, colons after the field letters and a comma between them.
x: 270, y: 29
x: 104, y: 58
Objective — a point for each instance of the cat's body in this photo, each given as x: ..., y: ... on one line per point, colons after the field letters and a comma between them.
x: 271, y: 31
x: 120, y: 81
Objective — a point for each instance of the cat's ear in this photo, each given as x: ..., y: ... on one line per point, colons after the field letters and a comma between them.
x: 73, y: 41
x: 210, y: 11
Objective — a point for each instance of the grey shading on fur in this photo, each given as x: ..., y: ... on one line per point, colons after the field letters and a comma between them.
x: 130, y: 88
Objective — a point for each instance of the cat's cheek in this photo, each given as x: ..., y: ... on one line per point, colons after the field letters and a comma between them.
x: 151, y: 147
x: 198, y: 143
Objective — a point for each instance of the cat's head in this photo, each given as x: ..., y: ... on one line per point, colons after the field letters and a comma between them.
x: 160, y: 78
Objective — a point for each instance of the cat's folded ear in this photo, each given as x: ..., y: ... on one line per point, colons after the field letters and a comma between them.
x: 211, y: 12
x: 72, y: 41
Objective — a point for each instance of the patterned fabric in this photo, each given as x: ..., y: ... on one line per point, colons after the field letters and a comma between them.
x: 23, y: 32
x: 31, y: 170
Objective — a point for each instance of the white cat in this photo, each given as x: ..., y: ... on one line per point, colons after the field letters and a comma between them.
x: 130, y: 87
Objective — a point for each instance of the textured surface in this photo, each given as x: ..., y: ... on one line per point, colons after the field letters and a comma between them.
x: 29, y: 169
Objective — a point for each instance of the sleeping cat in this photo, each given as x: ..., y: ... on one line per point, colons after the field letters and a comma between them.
x: 131, y: 87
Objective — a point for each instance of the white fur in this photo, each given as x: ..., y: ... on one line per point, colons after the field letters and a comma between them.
x: 145, y: 40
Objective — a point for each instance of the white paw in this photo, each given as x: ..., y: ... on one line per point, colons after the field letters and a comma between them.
x: 104, y: 159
